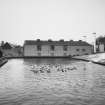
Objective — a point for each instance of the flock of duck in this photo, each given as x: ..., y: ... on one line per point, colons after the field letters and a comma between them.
x: 48, y: 68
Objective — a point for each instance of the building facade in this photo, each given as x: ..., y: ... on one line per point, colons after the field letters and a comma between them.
x: 38, y: 48
x: 100, y: 44
x: 100, y: 48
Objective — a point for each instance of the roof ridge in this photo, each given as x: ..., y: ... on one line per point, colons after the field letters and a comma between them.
x: 44, y: 42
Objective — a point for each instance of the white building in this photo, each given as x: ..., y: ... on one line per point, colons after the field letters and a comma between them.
x: 100, y: 48
x: 37, y: 48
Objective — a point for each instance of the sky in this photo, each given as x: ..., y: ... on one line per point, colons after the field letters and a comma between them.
x: 51, y: 19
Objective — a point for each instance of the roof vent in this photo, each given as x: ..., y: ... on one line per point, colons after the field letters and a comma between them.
x: 49, y: 40
x: 38, y: 40
x: 71, y: 40
x: 61, y: 40
x: 80, y: 40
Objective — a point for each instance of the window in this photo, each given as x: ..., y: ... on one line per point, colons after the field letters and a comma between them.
x: 65, y: 54
x: 83, y: 49
x: 65, y: 47
x: 39, y: 48
x: 77, y: 49
x: 97, y: 49
x: 52, y: 47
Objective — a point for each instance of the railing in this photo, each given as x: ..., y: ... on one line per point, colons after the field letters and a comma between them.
x: 3, y: 60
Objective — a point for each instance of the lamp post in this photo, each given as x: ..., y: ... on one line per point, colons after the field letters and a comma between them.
x: 85, y: 38
x: 94, y: 34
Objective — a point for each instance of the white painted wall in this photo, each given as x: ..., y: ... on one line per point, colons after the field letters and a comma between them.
x: 58, y: 51
x: 101, y: 47
x: 45, y: 50
x: 31, y: 50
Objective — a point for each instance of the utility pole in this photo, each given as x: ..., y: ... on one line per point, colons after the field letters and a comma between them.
x: 85, y: 38
x: 94, y: 34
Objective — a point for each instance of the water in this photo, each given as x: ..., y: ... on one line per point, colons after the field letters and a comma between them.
x: 19, y: 85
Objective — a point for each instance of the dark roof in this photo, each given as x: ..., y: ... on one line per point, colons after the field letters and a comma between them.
x: 71, y: 43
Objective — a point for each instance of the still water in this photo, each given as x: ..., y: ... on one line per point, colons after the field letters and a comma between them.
x: 83, y: 85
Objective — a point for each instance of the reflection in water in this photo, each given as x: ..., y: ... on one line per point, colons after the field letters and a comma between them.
x: 16, y: 73
x: 47, y: 61
x: 84, y: 85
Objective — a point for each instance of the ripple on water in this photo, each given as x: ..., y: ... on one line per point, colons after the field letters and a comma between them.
x: 20, y: 86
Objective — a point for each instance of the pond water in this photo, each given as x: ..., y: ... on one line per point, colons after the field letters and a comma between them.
x: 67, y: 83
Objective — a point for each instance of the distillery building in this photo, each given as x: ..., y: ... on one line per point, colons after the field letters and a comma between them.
x: 61, y: 48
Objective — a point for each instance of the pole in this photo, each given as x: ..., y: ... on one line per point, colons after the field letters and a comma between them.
x: 94, y: 42
x: 85, y: 38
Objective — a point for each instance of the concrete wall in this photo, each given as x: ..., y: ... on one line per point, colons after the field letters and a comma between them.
x: 31, y: 50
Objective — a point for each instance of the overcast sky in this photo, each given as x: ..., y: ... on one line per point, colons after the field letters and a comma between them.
x: 51, y: 19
